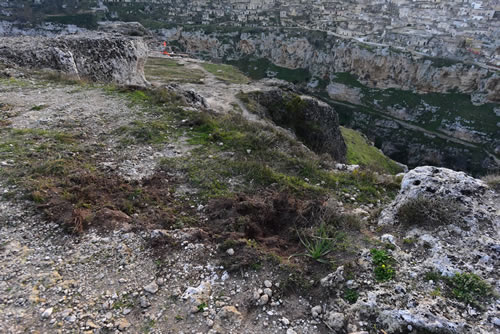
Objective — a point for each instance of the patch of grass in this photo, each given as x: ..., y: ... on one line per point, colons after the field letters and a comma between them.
x: 169, y: 70
x: 409, y: 241
x: 145, y: 132
x: 273, y: 159
x: 363, y: 153
x: 466, y: 287
x: 318, y: 245
x: 383, y: 265
x: 226, y: 73
x: 436, y: 292
x: 431, y: 211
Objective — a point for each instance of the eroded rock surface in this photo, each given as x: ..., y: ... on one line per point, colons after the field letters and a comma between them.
x: 91, y: 56
x: 314, y: 122
x: 457, y: 187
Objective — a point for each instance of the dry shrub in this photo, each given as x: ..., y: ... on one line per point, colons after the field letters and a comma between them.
x: 429, y: 211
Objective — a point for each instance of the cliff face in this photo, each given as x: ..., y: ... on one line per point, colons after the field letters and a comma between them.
x: 314, y: 122
x: 324, y: 55
x: 95, y: 57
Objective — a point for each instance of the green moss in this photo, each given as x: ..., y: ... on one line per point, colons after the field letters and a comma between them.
x: 361, y: 152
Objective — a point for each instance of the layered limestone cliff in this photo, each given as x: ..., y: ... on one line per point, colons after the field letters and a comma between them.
x: 324, y: 55
x: 91, y: 56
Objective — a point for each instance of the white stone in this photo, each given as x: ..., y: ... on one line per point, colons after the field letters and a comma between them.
x: 264, y: 299
x: 316, y: 311
x: 151, y: 287
x: 47, y: 313
x: 268, y: 292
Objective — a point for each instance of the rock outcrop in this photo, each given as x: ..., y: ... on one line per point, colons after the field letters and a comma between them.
x: 429, y: 260
x: 96, y: 57
x: 315, y: 123
x: 324, y: 55
x: 445, y: 184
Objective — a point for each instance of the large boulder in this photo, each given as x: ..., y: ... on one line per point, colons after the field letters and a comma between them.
x: 446, y: 276
x: 443, y: 184
x: 314, y: 122
x: 96, y: 57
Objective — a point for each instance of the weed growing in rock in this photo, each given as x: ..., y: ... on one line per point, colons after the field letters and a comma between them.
x: 351, y: 295
x: 466, y: 287
x: 429, y: 211
x: 202, y: 307
x: 469, y: 288
x: 318, y: 246
x: 382, y: 262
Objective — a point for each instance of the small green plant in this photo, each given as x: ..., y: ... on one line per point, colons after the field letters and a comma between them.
x: 469, y: 288
x: 318, y: 246
x: 389, y: 246
x: 436, y: 292
x: 38, y: 107
x: 256, y: 266
x: 351, y: 295
x: 383, y: 268
x: 252, y: 243
x: 228, y: 243
x: 409, y: 241
x: 202, y: 307
x: 465, y: 287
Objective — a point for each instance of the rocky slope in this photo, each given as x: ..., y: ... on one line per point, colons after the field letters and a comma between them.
x: 324, y: 55
x: 177, y: 209
x: 90, y: 56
